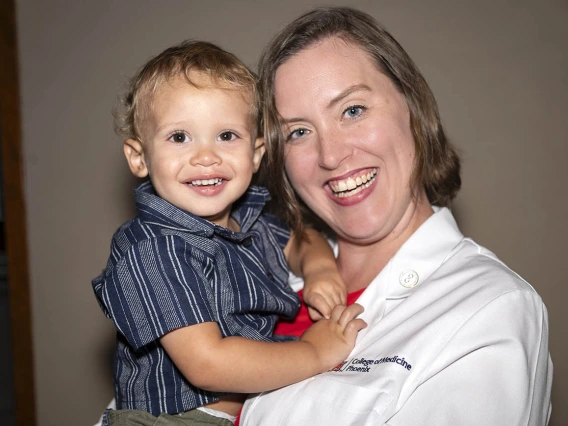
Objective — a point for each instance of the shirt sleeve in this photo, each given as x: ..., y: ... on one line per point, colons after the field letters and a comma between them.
x: 495, y: 371
x: 159, y: 285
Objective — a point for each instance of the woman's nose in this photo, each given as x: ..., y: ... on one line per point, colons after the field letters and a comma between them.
x: 332, y: 150
x: 205, y: 155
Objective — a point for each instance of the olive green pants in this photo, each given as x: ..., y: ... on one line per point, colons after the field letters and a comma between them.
x: 143, y: 418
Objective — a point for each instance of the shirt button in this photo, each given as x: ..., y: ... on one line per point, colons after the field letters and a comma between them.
x: 408, y: 278
x: 247, y: 242
x: 270, y: 276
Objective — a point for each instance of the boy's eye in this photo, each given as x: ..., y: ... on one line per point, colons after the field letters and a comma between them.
x: 354, y: 111
x: 227, y: 136
x: 179, y: 137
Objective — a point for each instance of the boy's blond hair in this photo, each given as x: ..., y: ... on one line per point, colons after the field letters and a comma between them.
x: 221, y: 67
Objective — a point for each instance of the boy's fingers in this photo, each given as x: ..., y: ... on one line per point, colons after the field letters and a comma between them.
x: 336, y: 312
x: 353, y: 327
x: 350, y: 313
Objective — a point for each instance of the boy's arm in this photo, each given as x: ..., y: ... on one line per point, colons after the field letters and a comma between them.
x: 240, y: 365
x: 313, y: 260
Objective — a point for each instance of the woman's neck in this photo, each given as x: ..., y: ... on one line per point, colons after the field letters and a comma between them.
x: 359, y: 263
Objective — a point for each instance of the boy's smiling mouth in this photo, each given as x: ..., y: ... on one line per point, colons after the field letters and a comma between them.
x: 206, y: 182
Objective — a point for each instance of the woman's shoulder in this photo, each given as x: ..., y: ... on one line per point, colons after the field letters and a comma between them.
x: 472, y: 281
x: 481, y: 268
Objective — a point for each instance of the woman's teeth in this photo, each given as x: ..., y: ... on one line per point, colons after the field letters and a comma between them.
x: 204, y: 182
x: 352, y: 185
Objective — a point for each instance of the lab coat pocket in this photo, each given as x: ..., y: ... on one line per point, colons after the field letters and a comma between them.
x: 329, y: 402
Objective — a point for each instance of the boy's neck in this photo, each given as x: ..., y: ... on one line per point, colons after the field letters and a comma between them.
x: 233, y: 225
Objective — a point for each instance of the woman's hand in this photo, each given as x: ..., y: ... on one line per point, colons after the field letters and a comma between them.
x: 323, y: 290
x: 312, y: 259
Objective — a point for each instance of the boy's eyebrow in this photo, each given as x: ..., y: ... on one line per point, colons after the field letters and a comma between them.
x: 169, y: 124
x: 334, y: 101
x: 183, y: 125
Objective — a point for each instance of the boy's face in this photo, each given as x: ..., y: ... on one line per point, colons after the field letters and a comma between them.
x: 198, y: 147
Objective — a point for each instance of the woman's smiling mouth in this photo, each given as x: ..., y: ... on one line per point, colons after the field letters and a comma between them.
x: 353, y: 184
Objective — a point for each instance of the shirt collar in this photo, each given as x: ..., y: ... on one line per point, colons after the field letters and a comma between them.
x: 154, y: 209
x: 414, y: 262
x: 423, y: 253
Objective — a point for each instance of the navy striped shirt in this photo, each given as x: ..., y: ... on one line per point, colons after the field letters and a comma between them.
x: 170, y: 269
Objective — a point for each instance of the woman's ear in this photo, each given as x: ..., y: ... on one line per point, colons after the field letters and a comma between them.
x: 259, y: 150
x: 134, y: 153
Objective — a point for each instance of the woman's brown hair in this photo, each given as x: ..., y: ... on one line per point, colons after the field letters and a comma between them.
x: 437, y: 165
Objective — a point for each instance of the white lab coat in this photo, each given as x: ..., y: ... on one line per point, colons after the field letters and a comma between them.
x: 454, y: 337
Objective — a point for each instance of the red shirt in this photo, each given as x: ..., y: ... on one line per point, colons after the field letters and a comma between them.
x: 302, y: 321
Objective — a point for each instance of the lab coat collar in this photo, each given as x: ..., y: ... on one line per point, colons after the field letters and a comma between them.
x: 413, y: 264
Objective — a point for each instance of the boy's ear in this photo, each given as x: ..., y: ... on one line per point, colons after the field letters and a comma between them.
x: 134, y: 153
x: 259, y: 150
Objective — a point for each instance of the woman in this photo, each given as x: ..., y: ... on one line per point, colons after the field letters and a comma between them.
x: 454, y: 336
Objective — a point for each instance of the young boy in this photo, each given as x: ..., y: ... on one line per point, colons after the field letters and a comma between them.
x: 195, y: 283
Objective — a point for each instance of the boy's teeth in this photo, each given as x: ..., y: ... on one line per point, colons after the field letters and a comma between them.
x: 202, y: 182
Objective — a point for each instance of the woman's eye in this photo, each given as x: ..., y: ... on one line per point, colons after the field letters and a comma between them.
x: 298, y: 133
x: 179, y: 137
x: 354, y: 111
x: 227, y: 136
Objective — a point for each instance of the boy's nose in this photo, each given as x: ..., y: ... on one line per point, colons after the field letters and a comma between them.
x: 205, y: 156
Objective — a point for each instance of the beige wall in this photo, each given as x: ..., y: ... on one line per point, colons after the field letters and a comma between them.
x: 498, y: 69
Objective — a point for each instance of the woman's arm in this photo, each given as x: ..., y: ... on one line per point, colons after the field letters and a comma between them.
x: 237, y: 364
x: 312, y: 259
x: 495, y: 371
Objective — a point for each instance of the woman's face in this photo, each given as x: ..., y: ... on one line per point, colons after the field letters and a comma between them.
x: 349, y: 151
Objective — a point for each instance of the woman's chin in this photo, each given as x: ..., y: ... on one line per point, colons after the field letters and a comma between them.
x: 360, y: 232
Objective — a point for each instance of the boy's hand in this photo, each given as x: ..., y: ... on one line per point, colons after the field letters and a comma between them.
x: 236, y: 364
x: 334, y: 338
x: 322, y: 292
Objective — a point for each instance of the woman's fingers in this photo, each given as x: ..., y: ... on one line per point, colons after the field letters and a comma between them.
x: 314, y: 314
x: 321, y: 303
x: 319, y: 307
x: 339, y: 297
